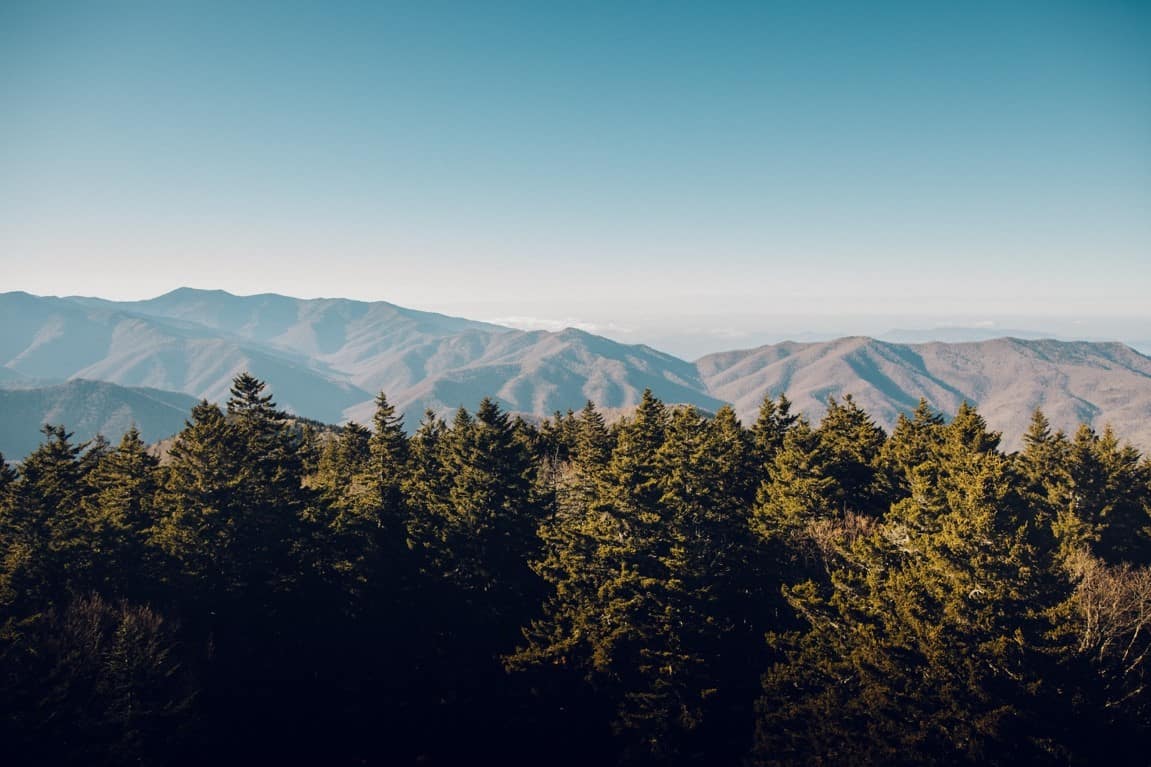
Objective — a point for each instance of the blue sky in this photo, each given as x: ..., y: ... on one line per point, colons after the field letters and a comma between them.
x: 643, y: 168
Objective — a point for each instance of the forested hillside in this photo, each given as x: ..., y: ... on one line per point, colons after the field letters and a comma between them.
x: 672, y: 589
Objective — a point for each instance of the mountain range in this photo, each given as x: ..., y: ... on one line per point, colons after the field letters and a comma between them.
x: 327, y: 358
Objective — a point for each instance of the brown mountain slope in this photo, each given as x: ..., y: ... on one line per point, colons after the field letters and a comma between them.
x: 1006, y: 378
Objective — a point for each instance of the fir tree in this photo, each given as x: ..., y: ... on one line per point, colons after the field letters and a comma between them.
x: 926, y: 644
x: 853, y: 442
x: 120, y: 512
x: 774, y: 421
x: 44, y: 539
x: 799, y: 490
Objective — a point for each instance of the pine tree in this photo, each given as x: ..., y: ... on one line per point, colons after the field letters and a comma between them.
x: 95, y: 682
x: 492, y: 526
x: 706, y: 627
x: 7, y: 476
x: 853, y: 443
x: 913, y: 442
x: 570, y: 561
x: 234, y: 500
x: 198, y: 498
x: 389, y: 464
x: 558, y: 436
x: 1044, y: 480
x: 646, y: 558
x: 427, y: 484
x: 345, y: 493
x: 603, y: 570
x: 1125, y: 516
x: 45, y: 543
x: 576, y: 538
x: 1095, y: 488
x: 928, y: 643
x: 377, y: 526
x: 120, y: 512
x: 775, y: 420
x: 799, y: 490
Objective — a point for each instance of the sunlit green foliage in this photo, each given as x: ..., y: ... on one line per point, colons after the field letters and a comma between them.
x: 673, y: 588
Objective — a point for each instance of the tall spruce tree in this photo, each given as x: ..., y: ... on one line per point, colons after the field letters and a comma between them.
x: 798, y: 490
x: 120, y: 512
x: 233, y: 500
x: 928, y: 643
x: 772, y: 424
x: 853, y: 443
x: 45, y: 542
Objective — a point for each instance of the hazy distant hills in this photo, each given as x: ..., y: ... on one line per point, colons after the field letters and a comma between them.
x: 536, y: 373
x: 87, y: 408
x: 60, y: 338
x: 1007, y: 378
x: 955, y: 335
x: 327, y: 358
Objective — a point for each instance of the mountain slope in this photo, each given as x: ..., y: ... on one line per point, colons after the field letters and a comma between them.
x: 56, y: 339
x: 535, y: 373
x: 344, y: 333
x: 327, y: 358
x: 1007, y: 378
x: 86, y: 408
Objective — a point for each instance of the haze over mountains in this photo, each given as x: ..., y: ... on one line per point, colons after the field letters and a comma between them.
x: 88, y: 408
x: 327, y: 358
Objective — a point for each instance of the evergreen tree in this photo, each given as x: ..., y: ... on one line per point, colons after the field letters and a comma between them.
x: 571, y: 562
x: 1125, y: 514
x: 198, y: 498
x: 558, y: 436
x: 706, y: 628
x: 646, y: 556
x: 491, y: 530
x: 575, y: 563
x: 927, y: 599
x: 233, y: 503
x: 1098, y: 497
x: 928, y: 644
x: 44, y: 539
x: 427, y: 484
x: 913, y: 443
x: 95, y: 682
x: 774, y: 421
x: 853, y: 443
x: 602, y: 564
x: 7, y: 476
x: 799, y: 490
x: 120, y: 512
x: 389, y: 464
x: 343, y: 507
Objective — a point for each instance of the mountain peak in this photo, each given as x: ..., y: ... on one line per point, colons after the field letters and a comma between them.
x: 328, y: 358
x: 185, y: 291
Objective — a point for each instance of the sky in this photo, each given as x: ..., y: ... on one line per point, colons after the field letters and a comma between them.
x: 679, y: 173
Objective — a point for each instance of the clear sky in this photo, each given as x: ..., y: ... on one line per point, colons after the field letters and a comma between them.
x: 680, y: 167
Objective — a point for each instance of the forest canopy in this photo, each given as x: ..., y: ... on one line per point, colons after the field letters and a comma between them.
x: 672, y: 588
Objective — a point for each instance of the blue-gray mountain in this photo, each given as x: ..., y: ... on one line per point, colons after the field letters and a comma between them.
x: 326, y: 359
x: 87, y: 408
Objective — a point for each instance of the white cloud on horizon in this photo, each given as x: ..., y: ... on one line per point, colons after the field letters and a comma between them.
x: 525, y: 322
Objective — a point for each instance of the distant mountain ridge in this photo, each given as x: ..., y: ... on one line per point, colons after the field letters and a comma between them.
x: 327, y: 358
x: 1006, y: 378
x: 87, y: 408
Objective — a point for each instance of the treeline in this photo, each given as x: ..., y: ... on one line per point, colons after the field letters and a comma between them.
x: 670, y: 589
